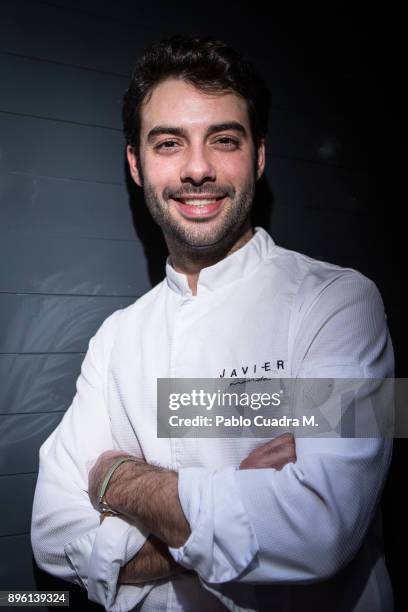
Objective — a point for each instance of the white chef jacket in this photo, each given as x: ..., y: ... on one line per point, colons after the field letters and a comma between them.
x: 308, y: 535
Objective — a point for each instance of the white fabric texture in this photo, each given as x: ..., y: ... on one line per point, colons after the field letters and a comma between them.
x: 261, y: 539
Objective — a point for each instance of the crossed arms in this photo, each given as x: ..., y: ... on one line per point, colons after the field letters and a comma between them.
x: 293, y: 525
x: 150, y: 494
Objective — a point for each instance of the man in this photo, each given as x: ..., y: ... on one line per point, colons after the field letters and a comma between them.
x: 213, y: 524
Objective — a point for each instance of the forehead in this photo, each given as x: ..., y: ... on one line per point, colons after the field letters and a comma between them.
x: 175, y: 102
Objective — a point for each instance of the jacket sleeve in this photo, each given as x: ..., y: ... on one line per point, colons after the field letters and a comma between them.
x: 305, y: 522
x: 67, y: 538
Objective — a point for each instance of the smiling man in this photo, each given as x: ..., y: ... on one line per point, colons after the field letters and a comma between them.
x: 152, y: 523
x: 198, y: 171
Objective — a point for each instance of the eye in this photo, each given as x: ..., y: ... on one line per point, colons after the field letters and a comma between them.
x: 227, y: 142
x: 166, y: 142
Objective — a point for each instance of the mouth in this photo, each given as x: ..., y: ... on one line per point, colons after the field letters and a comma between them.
x: 199, y: 207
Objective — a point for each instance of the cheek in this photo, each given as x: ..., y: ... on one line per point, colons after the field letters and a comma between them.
x: 235, y: 169
x: 162, y: 171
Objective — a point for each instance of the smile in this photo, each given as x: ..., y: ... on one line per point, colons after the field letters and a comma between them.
x: 199, y: 207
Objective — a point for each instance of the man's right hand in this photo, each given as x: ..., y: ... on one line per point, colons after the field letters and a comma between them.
x: 275, y: 453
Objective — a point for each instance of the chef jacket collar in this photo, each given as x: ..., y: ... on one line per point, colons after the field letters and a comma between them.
x: 237, y: 265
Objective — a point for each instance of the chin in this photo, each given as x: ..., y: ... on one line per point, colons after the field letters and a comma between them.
x: 208, y: 241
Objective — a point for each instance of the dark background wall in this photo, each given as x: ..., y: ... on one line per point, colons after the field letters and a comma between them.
x: 73, y: 240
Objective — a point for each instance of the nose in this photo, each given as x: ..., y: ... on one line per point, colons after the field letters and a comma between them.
x: 197, y: 166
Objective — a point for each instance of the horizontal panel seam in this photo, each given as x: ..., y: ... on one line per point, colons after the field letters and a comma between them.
x: 63, y: 178
x: 19, y: 474
x: 11, y: 535
x: 59, y: 120
x: 85, y: 295
x: 11, y: 414
x: 43, y: 353
x: 68, y: 65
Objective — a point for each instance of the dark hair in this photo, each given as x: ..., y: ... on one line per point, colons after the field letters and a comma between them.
x: 207, y: 63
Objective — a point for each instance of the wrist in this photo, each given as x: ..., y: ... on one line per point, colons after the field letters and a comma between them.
x: 123, y: 492
x: 106, y: 502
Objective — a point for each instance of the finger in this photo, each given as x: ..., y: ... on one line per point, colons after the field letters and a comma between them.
x: 282, y: 446
x: 284, y: 453
x: 284, y: 441
x: 274, y: 458
x: 267, y: 450
x: 288, y: 453
x: 286, y: 438
x: 277, y: 442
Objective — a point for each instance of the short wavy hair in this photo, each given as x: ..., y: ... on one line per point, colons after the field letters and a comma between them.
x: 210, y: 65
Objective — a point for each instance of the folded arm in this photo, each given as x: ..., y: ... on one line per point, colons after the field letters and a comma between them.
x: 147, y: 493
x: 68, y: 539
x: 304, y: 523
x: 152, y: 562
x: 143, y: 492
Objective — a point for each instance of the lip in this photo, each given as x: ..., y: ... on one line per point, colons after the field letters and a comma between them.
x: 199, y: 211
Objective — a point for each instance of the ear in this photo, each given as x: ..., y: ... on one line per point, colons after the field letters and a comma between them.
x: 261, y: 159
x: 133, y: 165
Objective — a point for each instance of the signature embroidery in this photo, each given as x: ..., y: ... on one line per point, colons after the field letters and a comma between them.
x: 243, y: 370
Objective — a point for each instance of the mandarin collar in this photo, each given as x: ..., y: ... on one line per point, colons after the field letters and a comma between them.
x: 233, y: 267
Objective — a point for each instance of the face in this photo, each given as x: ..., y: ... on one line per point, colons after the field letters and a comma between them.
x: 197, y: 163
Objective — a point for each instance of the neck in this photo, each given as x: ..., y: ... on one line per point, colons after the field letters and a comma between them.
x: 190, y: 261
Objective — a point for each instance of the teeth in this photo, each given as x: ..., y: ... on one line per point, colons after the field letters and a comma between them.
x: 198, y: 202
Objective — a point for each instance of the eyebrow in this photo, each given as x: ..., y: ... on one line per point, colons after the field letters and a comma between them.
x: 178, y: 131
